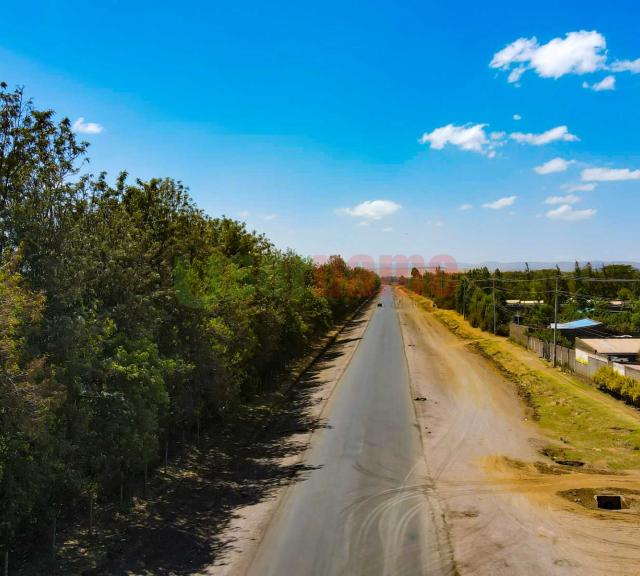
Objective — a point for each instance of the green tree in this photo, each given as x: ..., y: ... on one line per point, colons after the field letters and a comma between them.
x: 23, y: 406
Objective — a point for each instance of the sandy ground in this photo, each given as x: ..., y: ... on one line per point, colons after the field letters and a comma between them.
x: 249, y: 523
x: 503, y: 511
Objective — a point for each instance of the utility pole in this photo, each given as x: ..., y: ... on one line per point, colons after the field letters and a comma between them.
x: 464, y: 294
x: 494, y: 304
x: 555, y: 323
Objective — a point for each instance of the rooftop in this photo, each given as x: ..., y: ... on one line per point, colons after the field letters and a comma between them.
x: 610, y: 345
x: 577, y: 324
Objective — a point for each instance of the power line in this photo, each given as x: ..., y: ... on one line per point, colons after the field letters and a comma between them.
x: 555, y: 324
x: 545, y: 278
x: 607, y: 279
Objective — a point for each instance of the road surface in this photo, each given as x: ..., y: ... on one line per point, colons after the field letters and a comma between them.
x: 367, y: 505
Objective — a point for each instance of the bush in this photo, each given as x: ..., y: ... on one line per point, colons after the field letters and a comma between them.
x: 624, y: 387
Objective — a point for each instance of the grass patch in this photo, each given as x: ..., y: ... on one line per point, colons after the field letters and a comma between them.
x: 583, y: 423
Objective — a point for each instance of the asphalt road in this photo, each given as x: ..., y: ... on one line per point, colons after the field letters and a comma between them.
x: 367, y: 507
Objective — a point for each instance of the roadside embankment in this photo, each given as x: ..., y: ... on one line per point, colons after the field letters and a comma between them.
x: 582, y: 423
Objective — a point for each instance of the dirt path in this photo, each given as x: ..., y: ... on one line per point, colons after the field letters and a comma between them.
x: 503, y: 511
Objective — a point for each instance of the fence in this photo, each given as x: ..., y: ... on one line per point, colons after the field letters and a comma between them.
x: 564, y: 356
x: 633, y: 371
x: 589, y: 369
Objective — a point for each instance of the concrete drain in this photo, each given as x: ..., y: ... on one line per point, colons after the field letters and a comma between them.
x: 609, y: 501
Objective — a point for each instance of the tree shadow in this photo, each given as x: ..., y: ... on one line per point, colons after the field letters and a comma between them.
x: 181, y: 531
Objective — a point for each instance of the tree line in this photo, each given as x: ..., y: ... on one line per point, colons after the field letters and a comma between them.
x: 129, y: 317
x: 587, y: 291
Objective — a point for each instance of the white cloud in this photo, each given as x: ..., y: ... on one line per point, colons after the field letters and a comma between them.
x: 387, y: 229
x: 435, y: 223
x: 268, y: 217
x: 609, y: 174
x: 515, y: 75
x: 244, y: 213
x: 466, y: 207
x: 501, y: 203
x: 632, y: 66
x: 372, y: 209
x: 519, y: 51
x: 474, y: 138
x: 553, y: 166
x: 517, y: 117
x: 567, y: 212
x: 86, y: 127
x: 607, y: 83
x: 470, y: 137
x: 560, y: 133
x: 579, y: 187
x: 577, y: 53
x: 568, y: 199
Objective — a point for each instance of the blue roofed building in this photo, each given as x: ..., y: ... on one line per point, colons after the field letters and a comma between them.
x: 583, y: 328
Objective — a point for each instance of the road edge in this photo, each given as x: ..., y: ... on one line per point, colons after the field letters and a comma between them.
x: 446, y: 536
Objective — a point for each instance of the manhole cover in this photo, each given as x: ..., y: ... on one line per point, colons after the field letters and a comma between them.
x: 609, y: 501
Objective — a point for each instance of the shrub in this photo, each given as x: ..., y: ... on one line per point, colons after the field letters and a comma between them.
x: 624, y: 387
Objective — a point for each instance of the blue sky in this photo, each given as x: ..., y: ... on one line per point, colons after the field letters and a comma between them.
x: 306, y: 121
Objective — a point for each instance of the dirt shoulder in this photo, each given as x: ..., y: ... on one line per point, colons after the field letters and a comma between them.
x: 510, y: 509
x: 243, y: 533
x: 580, y: 422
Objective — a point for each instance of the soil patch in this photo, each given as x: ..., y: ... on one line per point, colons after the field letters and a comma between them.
x: 585, y: 497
